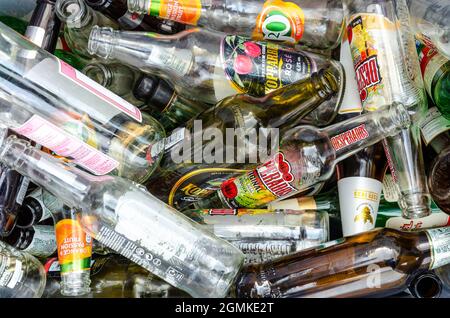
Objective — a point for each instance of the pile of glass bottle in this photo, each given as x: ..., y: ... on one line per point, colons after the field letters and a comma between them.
x: 188, y: 148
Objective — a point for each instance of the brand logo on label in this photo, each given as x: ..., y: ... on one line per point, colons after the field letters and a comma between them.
x: 364, y: 214
x: 349, y: 137
x: 367, y: 75
x: 222, y: 212
x: 276, y: 175
x: 365, y: 195
x: 193, y: 190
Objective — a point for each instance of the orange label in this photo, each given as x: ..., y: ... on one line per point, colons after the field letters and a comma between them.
x: 184, y: 11
x: 280, y: 21
x: 74, y: 245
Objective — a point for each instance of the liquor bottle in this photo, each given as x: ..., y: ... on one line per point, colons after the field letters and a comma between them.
x: 263, y: 235
x: 359, y: 177
x: 224, y: 66
x: 117, y: 10
x: 114, y: 276
x: 387, y: 71
x: 22, y: 276
x: 52, y: 104
x: 79, y: 19
x: 37, y: 240
x: 431, y: 22
x: 74, y: 252
x: 375, y: 263
x: 44, y: 26
x: 436, y: 76
x: 193, y: 166
x: 307, y: 156
x: 33, y: 209
x: 316, y: 24
x: 126, y: 218
x: 164, y: 104
x: 426, y: 285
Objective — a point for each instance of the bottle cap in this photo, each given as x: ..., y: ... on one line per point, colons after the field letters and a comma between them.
x: 154, y: 91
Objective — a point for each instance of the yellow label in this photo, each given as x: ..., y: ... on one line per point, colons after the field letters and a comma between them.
x: 307, y: 203
x: 184, y: 11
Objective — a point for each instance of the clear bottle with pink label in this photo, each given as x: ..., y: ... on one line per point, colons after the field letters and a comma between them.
x: 51, y: 103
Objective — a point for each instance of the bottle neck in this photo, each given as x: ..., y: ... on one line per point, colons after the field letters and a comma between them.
x: 441, y: 142
x: 75, y: 14
x: 44, y: 19
x: 350, y: 136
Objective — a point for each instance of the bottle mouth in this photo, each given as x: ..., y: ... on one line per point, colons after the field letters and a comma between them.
x: 71, y: 12
x: 426, y: 286
x: 99, y: 73
x: 101, y: 41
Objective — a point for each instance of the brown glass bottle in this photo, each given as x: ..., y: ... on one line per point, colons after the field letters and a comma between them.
x: 117, y: 10
x: 439, y: 173
x: 380, y: 262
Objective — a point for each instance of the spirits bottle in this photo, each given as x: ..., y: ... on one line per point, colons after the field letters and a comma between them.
x: 307, y: 156
x: 52, y: 104
x: 164, y: 104
x: 79, y: 19
x: 315, y: 24
x: 37, y: 240
x: 124, y: 217
x: 22, y: 276
x: 224, y: 66
x: 194, y: 166
x: 387, y: 71
x: 117, y: 10
x: 431, y: 22
x: 436, y: 76
x: 375, y: 263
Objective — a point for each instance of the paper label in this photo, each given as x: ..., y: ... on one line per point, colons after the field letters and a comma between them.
x: 390, y: 189
x: 37, y: 195
x: 359, y: 199
x: 89, y: 97
x: 130, y: 20
x: 349, y: 137
x: 184, y: 11
x: 36, y: 34
x: 440, y: 246
x: 433, y: 124
x: 433, y: 220
x: 298, y: 204
x: 43, y: 243
x: 280, y: 21
x: 173, y: 59
x: 63, y: 144
x: 177, y: 136
x: 10, y: 272
x: 22, y: 190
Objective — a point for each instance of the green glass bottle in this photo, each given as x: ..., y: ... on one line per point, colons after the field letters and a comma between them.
x: 14, y: 23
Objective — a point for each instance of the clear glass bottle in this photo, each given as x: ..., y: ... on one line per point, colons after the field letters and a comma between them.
x: 312, y: 23
x: 126, y: 218
x: 79, y: 19
x: 208, y: 66
x: 307, y: 156
x: 387, y: 70
x: 21, y: 275
x: 52, y: 104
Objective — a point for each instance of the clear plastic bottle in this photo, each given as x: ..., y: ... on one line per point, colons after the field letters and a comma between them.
x: 54, y: 105
x: 21, y: 275
x: 126, y: 218
x: 312, y: 23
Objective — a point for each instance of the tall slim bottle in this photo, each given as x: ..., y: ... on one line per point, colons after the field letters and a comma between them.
x: 52, y: 104
x: 313, y: 23
x: 387, y: 71
x: 44, y: 27
x: 307, y: 156
x: 126, y: 218
x: 208, y: 66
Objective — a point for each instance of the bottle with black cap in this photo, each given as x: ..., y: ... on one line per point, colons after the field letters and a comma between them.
x: 38, y: 240
x: 164, y: 104
x: 117, y: 10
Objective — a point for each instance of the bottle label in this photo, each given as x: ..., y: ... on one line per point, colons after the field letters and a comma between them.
x: 11, y: 272
x: 432, y: 66
x: 256, y: 188
x: 258, y: 68
x: 433, y: 124
x: 440, y: 246
x: 280, y: 21
x: 22, y: 190
x: 434, y: 220
x: 184, y: 11
x: 90, y: 98
x: 359, y: 198
x: 36, y: 34
x: 349, y: 137
x: 390, y: 189
x: 298, y: 204
x: 63, y: 144
x: 74, y: 246
x: 43, y: 243
x: 174, y: 59
x: 256, y: 252
x: 130, y: 20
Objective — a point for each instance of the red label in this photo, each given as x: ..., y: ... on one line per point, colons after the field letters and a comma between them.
x: 222, y: 212
x: 367, y: 75
x: 276, y: 176
x: 425, y: 56
x: 349, y: 137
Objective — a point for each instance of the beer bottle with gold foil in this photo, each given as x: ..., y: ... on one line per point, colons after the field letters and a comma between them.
x: 380, y: 262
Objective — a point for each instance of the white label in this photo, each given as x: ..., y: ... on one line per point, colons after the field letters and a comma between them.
x: 43, y: 243
x: 35, y: 34
x: 23, y: 190
x: 177, y: 60
x: 130, y: 20
x: 433, y: 66
x: 433, y: 124
x: 433, y: 220
x: 359, y: 199
x: 390, y: 190
x: 440, y: 246
x: 80, y: 91
x: 175, y: 137
x: 63, y: 144
x: 37, y: 195
x: 9, y: 277
x: 297, y: 204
